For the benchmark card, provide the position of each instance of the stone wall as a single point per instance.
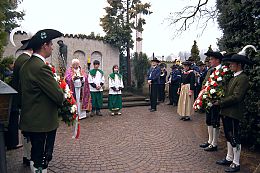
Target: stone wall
(77, 48)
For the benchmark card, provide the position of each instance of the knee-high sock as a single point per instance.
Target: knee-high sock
(210, 133)
(26, 148)
(215, 136)
(237, 151)
(230, 154)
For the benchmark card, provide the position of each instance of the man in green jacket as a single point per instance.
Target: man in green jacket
(232, 105)
(16, 104)
(41, 97)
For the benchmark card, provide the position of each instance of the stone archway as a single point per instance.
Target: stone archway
(96, 55)
(79, 54)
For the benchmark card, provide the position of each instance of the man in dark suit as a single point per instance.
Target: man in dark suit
(174, 83)
(41, 97)
(232, 108)
(153, 78)
(16, 104)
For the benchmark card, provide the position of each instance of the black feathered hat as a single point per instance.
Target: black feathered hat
(217, 55)
(43, 36)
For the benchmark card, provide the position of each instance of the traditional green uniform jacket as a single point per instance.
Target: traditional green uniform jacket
(16, 79)
(207, 75)
(232, 105)
(41, 96)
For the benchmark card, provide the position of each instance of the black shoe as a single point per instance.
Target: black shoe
(211, 148)
(182, 118)
(233, 168)
(99, 113)
(92, 113)
(152, 110)
(26, 162)
(186, 119)
(204, 145)
(223, 162)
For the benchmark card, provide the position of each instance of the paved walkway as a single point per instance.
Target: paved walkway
(137, 141)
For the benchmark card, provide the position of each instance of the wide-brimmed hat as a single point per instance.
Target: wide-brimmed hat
(186, 63)
(239, 58)
(217, 55)
(24, 44)
(43, 36)
(200, 63)
(155, 60)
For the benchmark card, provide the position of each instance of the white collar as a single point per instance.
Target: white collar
(218, 67)
(238, 73)
(39, 56)
(27, 53)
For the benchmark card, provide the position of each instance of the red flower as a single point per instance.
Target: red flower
(63, 84)
(223, 73)
(215, 84)
(208, 88)
(215, 77)
(53, 70)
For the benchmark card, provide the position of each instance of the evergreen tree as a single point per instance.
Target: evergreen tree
(239, 21)
(118, 24)
(195, 52)
(8, 18)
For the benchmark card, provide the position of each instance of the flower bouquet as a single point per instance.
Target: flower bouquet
(68, 112)
(213, 89)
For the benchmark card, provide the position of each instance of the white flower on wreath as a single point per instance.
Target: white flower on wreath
(219, 79)
(217, 72)
(67, 89)
(212, 91)
(212, 82)
(204, 96)
(212, 75)
(198, 101)
(73, 109)
(198, 107)
(66, 95)
(207, 83)
(225, 69)
(210, 104)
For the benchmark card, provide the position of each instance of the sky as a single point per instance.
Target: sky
(83, 17)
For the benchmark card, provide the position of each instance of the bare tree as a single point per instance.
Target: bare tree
(199, 14)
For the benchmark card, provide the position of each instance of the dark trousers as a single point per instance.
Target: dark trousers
(12, 136)
(212, 117)
(173, 95)
(42, 147)
(161, 92)
(197, 91)
(231, 130)
(153, 95)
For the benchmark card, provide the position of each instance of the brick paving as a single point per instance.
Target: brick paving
(136, 142)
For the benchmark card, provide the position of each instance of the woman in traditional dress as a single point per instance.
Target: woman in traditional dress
(186, 98)
(115, 94)
(78, 83)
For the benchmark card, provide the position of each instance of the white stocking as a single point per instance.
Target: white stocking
(229, 156)
(210, 132)
(236, 151)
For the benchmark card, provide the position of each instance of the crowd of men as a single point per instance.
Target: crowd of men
(187, 81)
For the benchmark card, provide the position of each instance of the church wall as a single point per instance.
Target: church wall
(77, 48)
